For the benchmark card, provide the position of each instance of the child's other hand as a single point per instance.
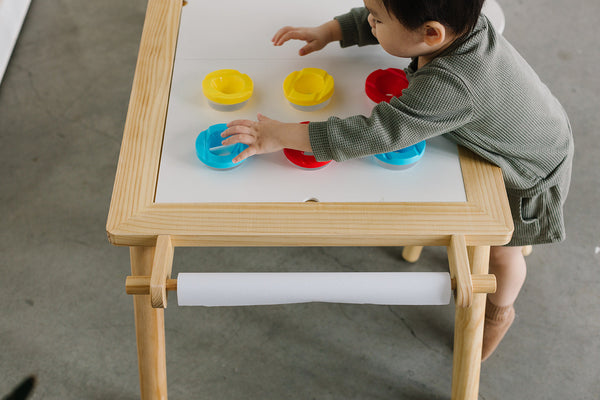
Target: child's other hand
(265, 136)
(315, 37)
(312, 36)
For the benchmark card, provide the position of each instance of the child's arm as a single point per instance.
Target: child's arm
(420, 113)
(266, 136)
(436, 102)
(349, 29)
(316, 37)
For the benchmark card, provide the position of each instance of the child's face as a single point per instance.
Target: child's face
(391, 34)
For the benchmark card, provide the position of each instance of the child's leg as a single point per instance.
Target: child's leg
(508, 264)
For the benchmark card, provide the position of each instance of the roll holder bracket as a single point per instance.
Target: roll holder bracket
(460, 271)
(159, 283)
(162, 265)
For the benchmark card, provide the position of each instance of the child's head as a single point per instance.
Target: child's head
(458, 15)
(414, 28)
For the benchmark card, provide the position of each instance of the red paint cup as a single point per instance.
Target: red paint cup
(302, 159)
(384, 84)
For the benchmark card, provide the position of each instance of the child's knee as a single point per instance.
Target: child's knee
(505, 256)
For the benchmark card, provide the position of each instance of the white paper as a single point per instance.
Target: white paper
(246, 289)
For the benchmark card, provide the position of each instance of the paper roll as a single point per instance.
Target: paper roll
(246, 289)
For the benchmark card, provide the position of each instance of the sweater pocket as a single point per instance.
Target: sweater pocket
(538, 219)
(531, 208)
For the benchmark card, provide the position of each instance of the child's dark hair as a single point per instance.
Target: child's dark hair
(458, 15)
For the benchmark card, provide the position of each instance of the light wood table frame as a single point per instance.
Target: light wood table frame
(135, 220)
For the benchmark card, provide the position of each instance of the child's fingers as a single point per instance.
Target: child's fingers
(243, 122)
(249, 152)
(236, 130)
(239, 138)
(293, 34)
(280, 33)
(309, 48)
(262, 117)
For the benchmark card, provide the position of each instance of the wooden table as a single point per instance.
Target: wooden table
(153, 229)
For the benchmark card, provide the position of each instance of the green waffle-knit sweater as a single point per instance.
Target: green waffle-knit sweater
(481, 94)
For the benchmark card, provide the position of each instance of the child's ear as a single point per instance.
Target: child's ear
(434, 33)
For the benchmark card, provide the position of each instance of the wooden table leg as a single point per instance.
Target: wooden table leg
(468, 334)
(411, 253)
(149, 331)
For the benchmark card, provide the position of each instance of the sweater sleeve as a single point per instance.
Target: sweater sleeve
(435, 102)
(355, 28)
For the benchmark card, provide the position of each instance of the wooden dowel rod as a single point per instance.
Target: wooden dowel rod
(411, 253)
(141, 284)
(484, 283)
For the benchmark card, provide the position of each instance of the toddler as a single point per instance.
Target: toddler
(466, 82)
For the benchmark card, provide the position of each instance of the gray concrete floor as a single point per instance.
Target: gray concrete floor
(65, 315)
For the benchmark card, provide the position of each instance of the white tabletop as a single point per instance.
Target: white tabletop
(237, 34)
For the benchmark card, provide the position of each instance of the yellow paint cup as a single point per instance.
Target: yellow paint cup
(308, 89)
(227, 89)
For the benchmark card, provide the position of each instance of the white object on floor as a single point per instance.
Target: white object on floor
(12, 15)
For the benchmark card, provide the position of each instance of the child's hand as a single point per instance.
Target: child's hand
(265, 136)
(316, 38)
